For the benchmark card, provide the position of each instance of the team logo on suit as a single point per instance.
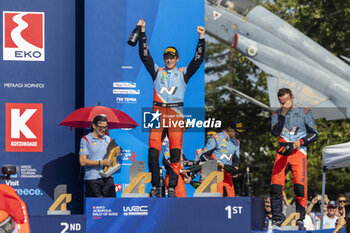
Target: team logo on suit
(23, 36)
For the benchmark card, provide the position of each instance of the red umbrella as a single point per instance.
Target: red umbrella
(82, 118)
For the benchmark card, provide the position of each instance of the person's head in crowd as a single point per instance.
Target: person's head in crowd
(316, 199)
(326, 199)
(268, 209)
(332, 209)
(99, 126)
(341, 200)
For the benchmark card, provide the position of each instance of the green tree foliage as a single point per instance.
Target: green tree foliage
(327, 23)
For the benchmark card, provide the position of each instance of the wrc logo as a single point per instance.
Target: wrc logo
(171, 91)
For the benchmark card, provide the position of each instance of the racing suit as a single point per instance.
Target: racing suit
(180, 190)
(226, 150)
(13, 211)
(169, 88)
(297, 124)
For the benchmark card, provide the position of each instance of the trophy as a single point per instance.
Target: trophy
(112, 153)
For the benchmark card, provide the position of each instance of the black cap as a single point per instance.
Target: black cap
(332, 204)
(236, 124)
(172, 51)
(211, 133)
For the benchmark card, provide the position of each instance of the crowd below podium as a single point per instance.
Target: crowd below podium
(336, 213)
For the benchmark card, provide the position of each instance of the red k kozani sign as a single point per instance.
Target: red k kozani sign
(24, 127)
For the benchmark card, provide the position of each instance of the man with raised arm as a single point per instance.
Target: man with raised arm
(169, 86)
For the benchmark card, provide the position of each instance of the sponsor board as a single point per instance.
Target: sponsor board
(29, 191)
(124, 84)
(24, 127)
(27, 171)
(24, 85)
(12, 183)
(118, 187)
(126, 91)
(129, 100)
(127, 156)
(127, 67)
(135, 210)
(23, 36)
(101, 211)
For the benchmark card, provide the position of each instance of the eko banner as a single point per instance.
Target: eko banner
(115, 76)
(37, 92)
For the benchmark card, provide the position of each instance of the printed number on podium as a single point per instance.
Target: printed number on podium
(232, 210)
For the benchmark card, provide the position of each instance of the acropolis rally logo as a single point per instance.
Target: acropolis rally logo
(23, 36)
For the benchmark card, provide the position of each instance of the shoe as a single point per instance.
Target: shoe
(300, 225)
(159, 192)
(171, 192)
(276, 225)
(153, 191)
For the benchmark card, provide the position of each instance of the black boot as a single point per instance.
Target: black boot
(300, 225)
(171, 192)
(153, 191)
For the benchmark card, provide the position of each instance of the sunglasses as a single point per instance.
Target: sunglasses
(102, 127)
(341, 201)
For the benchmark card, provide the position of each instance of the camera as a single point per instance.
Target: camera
(8, 170)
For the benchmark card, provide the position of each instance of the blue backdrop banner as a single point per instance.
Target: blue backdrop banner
(37, 92)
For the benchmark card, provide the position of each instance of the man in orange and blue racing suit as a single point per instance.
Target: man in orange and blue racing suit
(224, 147)
(185, 176)
(169, 86)
(296, 129)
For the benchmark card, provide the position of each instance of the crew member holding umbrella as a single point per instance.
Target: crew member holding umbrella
(93, 152)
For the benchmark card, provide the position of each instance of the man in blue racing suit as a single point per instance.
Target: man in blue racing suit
(224, 147)
(296, 129)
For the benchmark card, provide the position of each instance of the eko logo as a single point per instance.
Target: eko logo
(23, 36)
(24, 127)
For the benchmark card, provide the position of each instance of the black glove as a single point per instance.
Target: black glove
(193, 171)
(231, 169)
(205, 158)
(285, 148)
